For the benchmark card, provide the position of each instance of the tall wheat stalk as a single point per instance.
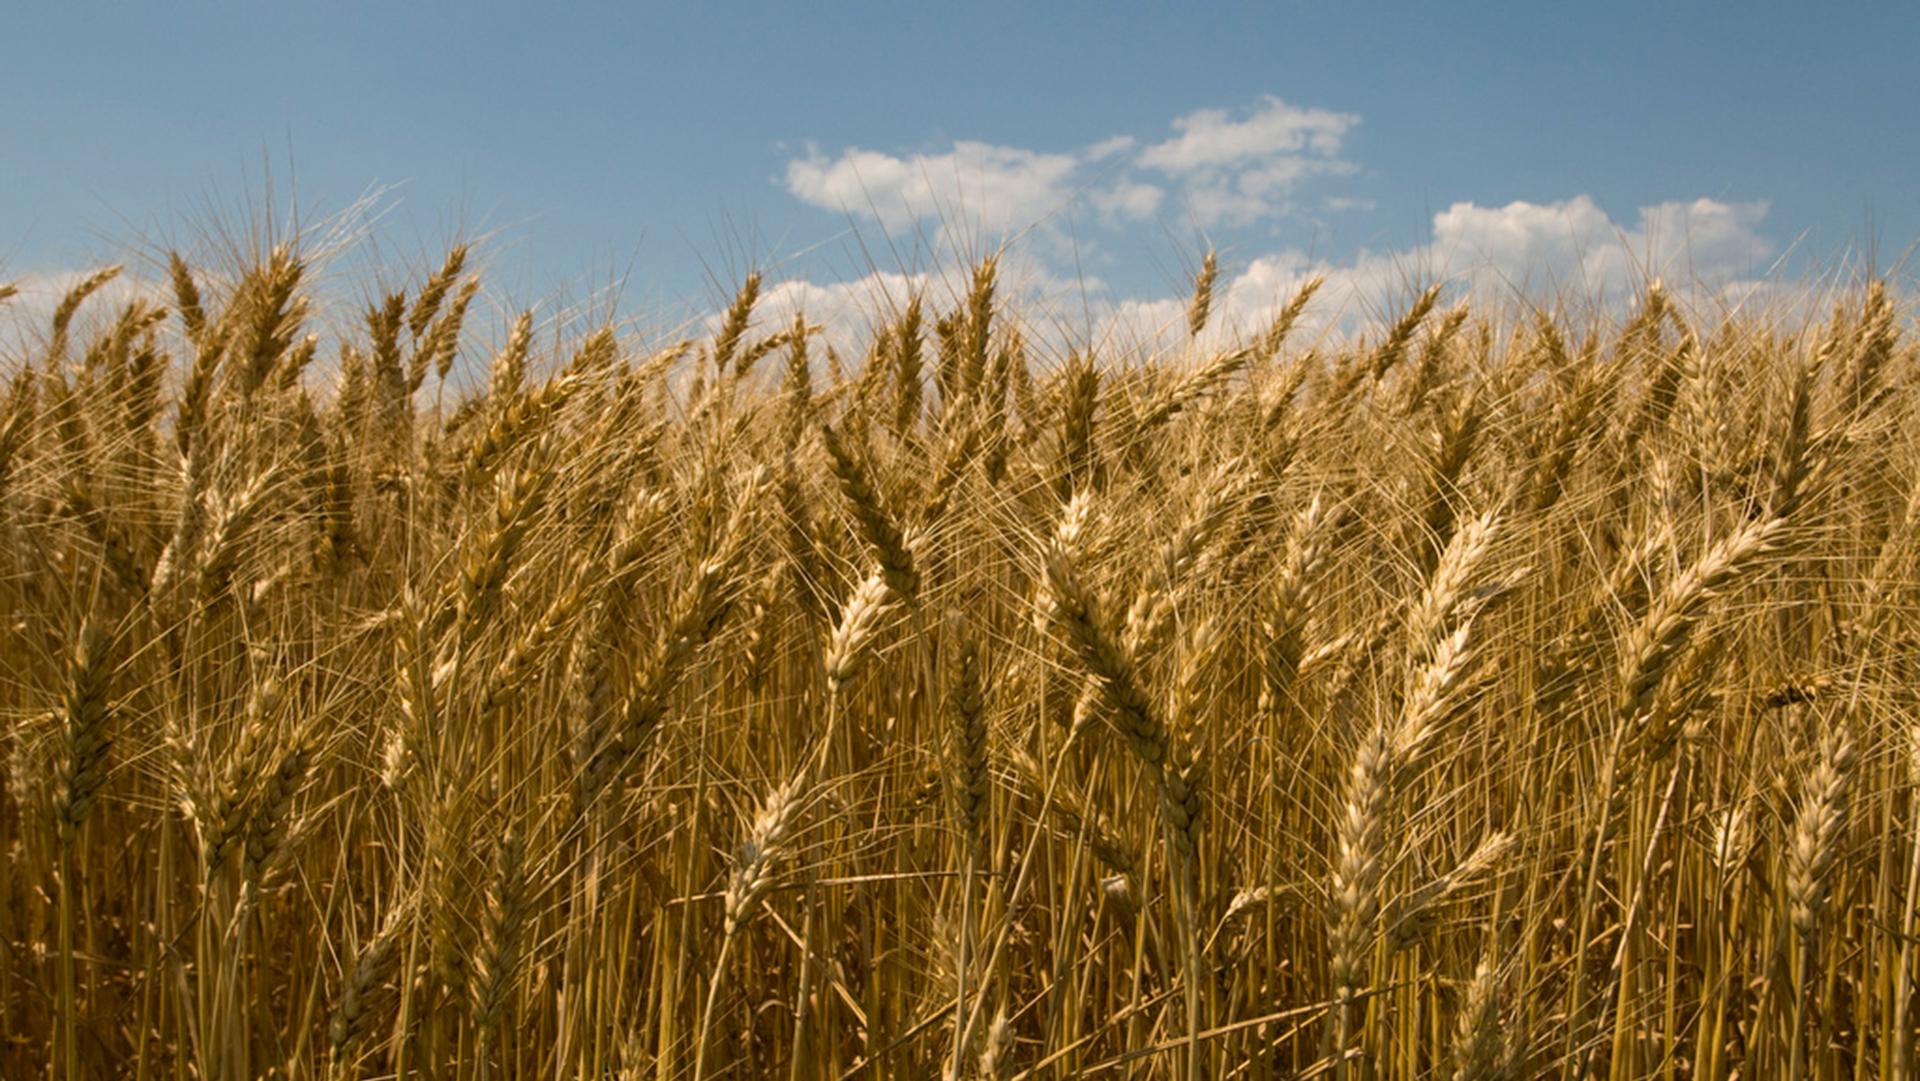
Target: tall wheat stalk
(401, 683)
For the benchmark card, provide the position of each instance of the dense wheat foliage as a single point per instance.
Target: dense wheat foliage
(1485, 697)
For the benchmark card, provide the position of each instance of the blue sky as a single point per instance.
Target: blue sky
(670, 146)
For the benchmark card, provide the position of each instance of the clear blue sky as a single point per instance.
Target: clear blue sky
(660, 141)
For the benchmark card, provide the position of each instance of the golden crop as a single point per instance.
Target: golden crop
(1487, 698)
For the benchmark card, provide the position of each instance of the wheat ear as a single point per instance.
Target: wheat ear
(1812, 850)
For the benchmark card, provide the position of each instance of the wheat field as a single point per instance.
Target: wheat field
(1483, 696)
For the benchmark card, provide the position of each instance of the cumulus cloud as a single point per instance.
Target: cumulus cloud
(1245, 169)
(1573, 245)
(1224, 169)
(995, 187)
(1128, 201)
(1240, 170)
(1211, 139)
(1521, 252)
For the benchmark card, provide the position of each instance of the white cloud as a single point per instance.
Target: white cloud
(1209, 139)
(1265, 191)
(847, 312)
(998, 188)
(1522, 252)
(1240, 171)
(1573, 245)
(1708, 251)
(1720, 237)
(1224, 170)
(1128, 201)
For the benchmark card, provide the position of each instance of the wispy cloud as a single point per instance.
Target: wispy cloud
(1212, 139)
(999, 188)
(1239, 170)
(1216, 167)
